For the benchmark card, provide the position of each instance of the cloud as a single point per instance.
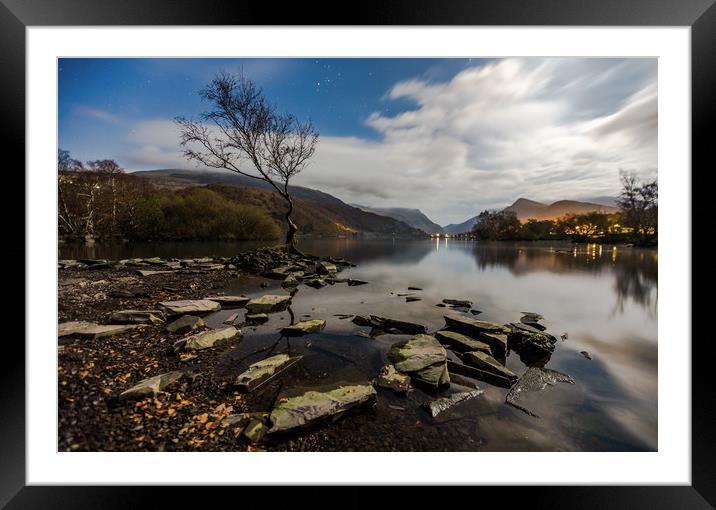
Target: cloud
(546, 129)
(95, 113)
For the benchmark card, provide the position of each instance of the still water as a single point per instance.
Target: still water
(603, 297)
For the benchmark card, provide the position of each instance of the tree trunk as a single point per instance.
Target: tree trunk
(292, 228)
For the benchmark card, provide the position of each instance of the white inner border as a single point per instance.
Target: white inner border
(670, 465)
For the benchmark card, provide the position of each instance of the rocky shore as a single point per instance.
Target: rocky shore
(138, 367)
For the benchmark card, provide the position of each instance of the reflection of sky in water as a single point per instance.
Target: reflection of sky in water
(605, 299)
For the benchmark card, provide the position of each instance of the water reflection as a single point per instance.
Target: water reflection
(605, 297)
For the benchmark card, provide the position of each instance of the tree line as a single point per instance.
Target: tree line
(636, 222)
(99, 200)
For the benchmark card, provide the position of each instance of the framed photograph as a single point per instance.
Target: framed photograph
(350, 254)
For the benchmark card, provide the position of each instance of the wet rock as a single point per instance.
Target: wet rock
(586, 354)
(326, 268)
(268, 303)
(304, 328)
(360, 320)
(475, 312)
(390, 378)
(533, 323)
(532, 316)
(461, 342)
(229, 301)
(185, 324)
(316, 283)
(533, 380)
(190, 306)
(255, 431)
(137, 317)
(408, 328)
(486, 362)
(152, 386)
(277, 273)
(423, 358)
(352, 282)
(104, 265)
(92, 330)
(231, 319)
(443, 404)
(441, 305)
(262, 371)
(459, 380)
(460, 368)
(492, 334)
(315, 406)
(256, 317)
(464, 303)
(529, 341)
(289, 282)
(343, 316)
(205, 340)
(414, 288)
(411, 299)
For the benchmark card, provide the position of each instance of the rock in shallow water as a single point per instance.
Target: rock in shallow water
(464, 303)
(460, 342)
(492, 334)
(314, 406)
(534, 379)
(408, 328)
(443, 404)
(304, 328)
(486, 362)
(268, 303)
(423, 358)
(229, 301)
(525, 339)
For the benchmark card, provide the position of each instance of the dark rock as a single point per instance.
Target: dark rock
(362, 321)
(463, 303)
(256, 317)
(527, 340)
(137, 317)
(485, 362)
(492, 334)
(461, 342)
(408, 328)
(414, 288)
(411, 299)
(481, 375)
(586, 354)
(316, 283)
(352, 282)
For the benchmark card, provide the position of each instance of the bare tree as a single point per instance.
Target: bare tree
(638, 203)
(243, 133)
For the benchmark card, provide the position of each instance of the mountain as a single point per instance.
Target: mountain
(459, 228)
(526, 209)
(316, 213)
(413, 217)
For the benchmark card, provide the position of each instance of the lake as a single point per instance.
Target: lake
(603, 297)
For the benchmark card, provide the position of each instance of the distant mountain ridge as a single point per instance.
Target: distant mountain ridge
(413, 217)
(317, 213)
(529, 209)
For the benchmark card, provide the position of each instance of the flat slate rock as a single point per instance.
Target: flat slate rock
(495, 335)
(525, 339)
(152, 386)
(443, 404)
(137, 317)
(144, 272)
(486, 362)
(205, 340)
(423, 358)
(463, 303)
(260, 372)
(304, 327)
(461, 342)
(352, 282)
(268, 303)
(533, 380)
(91, 330)
(460, 368)
(229, 301)
(314, 406)
(408, 328)
(185, 324)
(190, 306)
(256, 317)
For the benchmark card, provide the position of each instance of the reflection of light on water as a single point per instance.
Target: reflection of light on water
(614, 254)
(437, 244)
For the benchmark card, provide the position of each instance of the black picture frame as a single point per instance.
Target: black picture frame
(16, 15)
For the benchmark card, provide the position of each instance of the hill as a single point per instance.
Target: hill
(413, 217)
(459, 228)
(526, 209)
